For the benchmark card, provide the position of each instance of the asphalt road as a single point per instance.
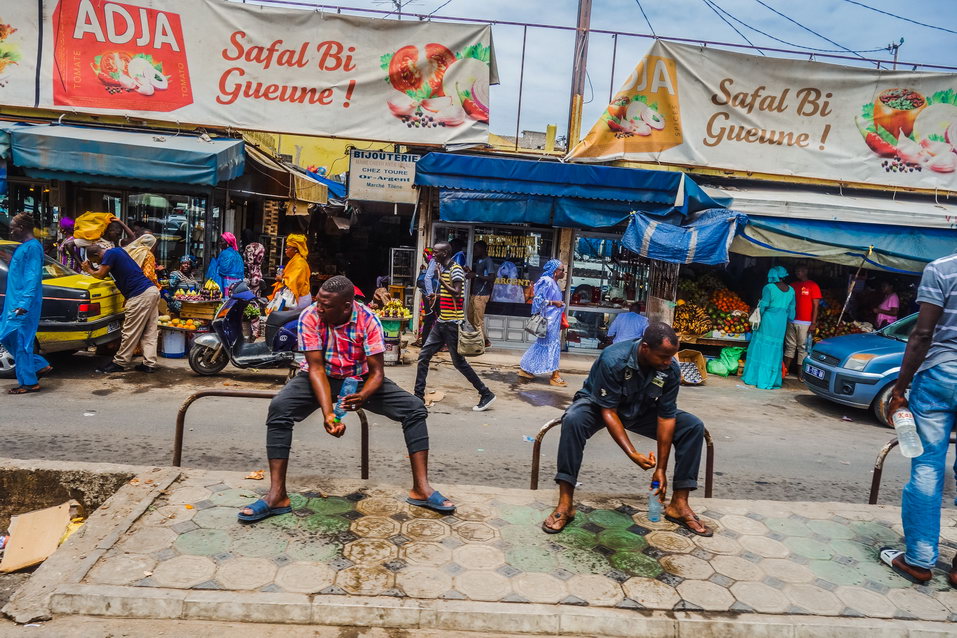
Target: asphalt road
(783, 444)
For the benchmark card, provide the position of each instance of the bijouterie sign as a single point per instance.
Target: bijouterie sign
(698, 106)
(221, 63)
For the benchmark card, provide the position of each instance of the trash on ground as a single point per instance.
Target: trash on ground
(36, 535)
(256, 475)
(528, 439)
(846, 418)
(90, 413)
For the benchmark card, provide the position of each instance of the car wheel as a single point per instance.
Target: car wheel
(8, 367)
(879, 407)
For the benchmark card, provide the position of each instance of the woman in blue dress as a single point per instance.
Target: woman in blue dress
(543, 355)
(22, 302)
(227, 269)
(765, 358)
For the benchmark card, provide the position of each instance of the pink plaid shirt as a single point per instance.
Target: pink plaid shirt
(346, 347)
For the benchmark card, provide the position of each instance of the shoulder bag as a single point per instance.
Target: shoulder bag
(471, 342)
(537, 325)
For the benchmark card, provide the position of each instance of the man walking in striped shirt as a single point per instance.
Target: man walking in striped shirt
(451, 312)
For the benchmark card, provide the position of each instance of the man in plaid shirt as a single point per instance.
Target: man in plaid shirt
(341, 338)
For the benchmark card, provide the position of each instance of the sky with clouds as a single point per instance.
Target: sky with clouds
(548, 52)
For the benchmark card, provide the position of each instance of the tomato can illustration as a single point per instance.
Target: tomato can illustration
(111, 55)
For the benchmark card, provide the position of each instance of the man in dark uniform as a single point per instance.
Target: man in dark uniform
(634, 386)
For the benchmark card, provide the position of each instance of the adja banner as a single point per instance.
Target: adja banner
(226, 64)
(696, 106)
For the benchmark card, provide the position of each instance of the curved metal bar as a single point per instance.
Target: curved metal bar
(879, 468)
(256, 394)
(537, 454)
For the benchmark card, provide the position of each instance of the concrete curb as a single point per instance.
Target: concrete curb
(515, 618)
(105, 526)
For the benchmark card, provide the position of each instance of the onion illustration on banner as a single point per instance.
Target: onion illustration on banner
(911, 131)
(439, 88)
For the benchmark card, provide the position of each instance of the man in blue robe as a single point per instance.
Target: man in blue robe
(21, 305)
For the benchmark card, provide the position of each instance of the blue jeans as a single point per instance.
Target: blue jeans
(933, 400)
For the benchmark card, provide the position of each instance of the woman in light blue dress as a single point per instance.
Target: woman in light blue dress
(543, 356)
(765, 357)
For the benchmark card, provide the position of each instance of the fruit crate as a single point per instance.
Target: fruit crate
(199, 309)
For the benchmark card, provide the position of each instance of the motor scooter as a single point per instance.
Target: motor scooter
(211, 352)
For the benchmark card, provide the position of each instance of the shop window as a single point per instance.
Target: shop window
(33, 198)
(606, 278)
(178, 221)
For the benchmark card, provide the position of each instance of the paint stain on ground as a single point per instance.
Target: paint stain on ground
(103, 393)
(543, 398)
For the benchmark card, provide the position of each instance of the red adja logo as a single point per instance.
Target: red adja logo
(119, 56)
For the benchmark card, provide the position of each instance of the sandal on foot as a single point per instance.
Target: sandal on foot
(707, 533)
(525, 375)
(559, 382)
(558, 517)
(434, 503)
(24, 389)
(888, 555)
(261, 510)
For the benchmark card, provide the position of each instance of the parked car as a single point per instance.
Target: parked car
(78, 311)
(859, 370)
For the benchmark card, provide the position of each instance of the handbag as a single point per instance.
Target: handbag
(471, 342)
(283, 299)
(537, 325)
(755, 318)
(565, 324)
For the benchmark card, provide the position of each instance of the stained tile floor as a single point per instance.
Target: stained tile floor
(355, 538)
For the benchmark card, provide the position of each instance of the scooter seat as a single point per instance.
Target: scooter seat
(282, 317)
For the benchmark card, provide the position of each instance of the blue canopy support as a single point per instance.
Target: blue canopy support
(493, 189)
(151, 157)
(705, 240)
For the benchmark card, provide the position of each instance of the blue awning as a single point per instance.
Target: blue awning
(154, 157)
(900, 249)
(337, 189)
(493, 189)
(705, 240)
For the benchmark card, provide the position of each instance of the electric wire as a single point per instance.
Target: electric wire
(790, 44)
(441, 6)
(646, 18)
(808, 29)
(712, 7)
(894, 15)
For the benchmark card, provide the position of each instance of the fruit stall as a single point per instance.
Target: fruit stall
(394, 317)
(710, 314)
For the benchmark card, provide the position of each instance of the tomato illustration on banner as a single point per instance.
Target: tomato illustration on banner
(119, 56)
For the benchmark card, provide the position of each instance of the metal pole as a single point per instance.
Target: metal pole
(614, 57)
(579, 68)
(521, 84)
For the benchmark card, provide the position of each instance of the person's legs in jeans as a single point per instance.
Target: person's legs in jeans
(294, 403)
(396, 404)
(450, 333)
(432, 345)
(581, 421)
(933, 400)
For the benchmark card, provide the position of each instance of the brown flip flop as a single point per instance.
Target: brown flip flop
(708, 533)
(22, 389)
(559, 517)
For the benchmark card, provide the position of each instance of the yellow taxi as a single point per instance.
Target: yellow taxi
(78, 311)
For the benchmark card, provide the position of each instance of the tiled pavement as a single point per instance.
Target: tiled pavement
(357, 539)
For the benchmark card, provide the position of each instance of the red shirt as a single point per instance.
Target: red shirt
(805, 292)
(346, 347)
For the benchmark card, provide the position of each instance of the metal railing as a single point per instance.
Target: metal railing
(537, 454)
(255, 394)
(879, 468)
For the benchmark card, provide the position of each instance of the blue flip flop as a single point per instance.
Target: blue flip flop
(433, 503)
(261, 510)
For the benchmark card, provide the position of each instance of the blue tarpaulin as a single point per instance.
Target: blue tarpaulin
(337, 189)
(152, 157)
(705, 240)
(492, 189)
(892, 248)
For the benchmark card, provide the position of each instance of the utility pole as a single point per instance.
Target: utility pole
(894, 48)
(579, 67)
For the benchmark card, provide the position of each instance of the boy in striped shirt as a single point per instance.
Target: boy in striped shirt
(451, 312)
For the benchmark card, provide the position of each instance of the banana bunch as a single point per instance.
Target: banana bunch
(394, 310)
(691, 319)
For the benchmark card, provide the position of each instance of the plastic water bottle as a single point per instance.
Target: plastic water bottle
(654, 503)
(907, 438)
(349, 386)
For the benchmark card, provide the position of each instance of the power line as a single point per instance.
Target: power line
(808, 29)
(712, 7)
(894, 15)
(776, 39)
(646, 18)
(441, 6)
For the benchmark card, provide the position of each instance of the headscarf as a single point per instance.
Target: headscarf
(299, 243)
(382, 282)
(551, 266)
(140, 248)
(230, 240)
(66, 223)
(777, 274)
(253, 256)
(188, 259)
